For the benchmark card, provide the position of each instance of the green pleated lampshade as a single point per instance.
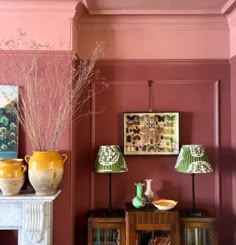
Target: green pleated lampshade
(193, 159)
(110, 160)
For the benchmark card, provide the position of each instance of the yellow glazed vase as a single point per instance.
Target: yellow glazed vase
(12, 176)
(45, 171)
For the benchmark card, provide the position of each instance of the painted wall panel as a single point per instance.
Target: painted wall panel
(195, 102)
(233, 139)
(131, 43)
(47, 22)
(190, 87)
(233, 40)
(61, 233)
(232, 26)
(47, 29)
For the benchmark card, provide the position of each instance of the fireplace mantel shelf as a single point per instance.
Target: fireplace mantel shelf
(30, 196)
(31, 215)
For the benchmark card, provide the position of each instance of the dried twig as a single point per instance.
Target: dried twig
(55, 86)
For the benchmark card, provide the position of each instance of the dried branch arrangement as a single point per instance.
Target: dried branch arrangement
(54, 87)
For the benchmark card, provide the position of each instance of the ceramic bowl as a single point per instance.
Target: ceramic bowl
(164, 204)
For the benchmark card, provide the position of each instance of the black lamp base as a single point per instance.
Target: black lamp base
(195, 212)
(108, 212)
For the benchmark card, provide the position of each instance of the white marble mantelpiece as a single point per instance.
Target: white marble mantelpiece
(31, 215)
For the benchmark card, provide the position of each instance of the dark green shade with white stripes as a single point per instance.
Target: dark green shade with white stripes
(193, 159)
(110, 160)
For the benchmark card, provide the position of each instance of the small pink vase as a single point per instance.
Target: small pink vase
(149, 194)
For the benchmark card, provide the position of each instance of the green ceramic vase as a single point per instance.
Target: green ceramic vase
(139, 201)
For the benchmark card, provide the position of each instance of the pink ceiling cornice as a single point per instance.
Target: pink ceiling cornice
(150, 7)
(229, 6)
(35, 7)
(151, 22)
(155, 12)
(232, 18)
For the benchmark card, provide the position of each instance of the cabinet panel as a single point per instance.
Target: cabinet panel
(106, 229)
(200, 230)
(151, 226)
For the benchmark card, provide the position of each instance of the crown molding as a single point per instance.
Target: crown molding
(154, 62)
(229, 6)
(232, 23)
(232, 18)
(38, 7)
(232, 59)
(130, 22)
(154, 12)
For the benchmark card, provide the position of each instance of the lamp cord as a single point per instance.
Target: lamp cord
(110, 192)
(150, 94)
(193, 191)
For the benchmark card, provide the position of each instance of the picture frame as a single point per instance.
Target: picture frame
(9, 121)
(151, 133)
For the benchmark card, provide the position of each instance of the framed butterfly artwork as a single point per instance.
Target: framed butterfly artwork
(151, 133)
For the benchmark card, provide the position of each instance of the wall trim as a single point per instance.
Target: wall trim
(154, 62)
(216, 109)
(152, 22)
(232, 19)
(217, 170)
(232, 59)
(229, 5)
(37, 7)
(154, 12)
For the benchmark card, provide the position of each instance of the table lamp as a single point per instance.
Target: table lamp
(110, 160)
(193, 160)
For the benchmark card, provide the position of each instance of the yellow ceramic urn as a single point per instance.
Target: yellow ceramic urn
(12, 176)
(45, 171)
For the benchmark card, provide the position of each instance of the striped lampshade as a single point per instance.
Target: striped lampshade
(193, 159)
(110, 160)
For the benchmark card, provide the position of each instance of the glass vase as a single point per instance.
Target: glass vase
(139, 200)
(149, 194)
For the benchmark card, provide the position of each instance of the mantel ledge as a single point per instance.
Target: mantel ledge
(29, 196)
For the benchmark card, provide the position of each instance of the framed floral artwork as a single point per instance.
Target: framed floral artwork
(151, 133)
(8, 121)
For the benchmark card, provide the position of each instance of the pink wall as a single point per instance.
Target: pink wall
(191, 87)
(50, 22)
(61, 234)
(195, 81)
(232, 26)
(158, 37)
(233, 134)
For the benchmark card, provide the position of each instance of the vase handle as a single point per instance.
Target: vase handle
(23, 168)
(27, 158)
(64, 157)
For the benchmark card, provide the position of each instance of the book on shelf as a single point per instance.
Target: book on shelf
(98, 236)
(198, 236)
(112, 236)
(153, 238)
